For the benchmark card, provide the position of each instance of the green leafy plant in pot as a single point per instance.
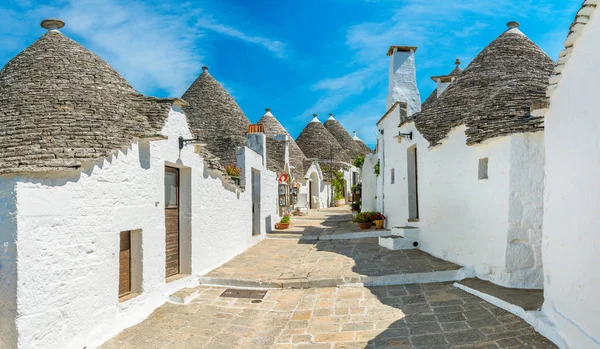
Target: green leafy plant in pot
(284, 223)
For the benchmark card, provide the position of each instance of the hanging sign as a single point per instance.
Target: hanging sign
(284, 178)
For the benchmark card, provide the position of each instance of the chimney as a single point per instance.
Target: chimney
(403, 78)
(444, 81)
(257, 141)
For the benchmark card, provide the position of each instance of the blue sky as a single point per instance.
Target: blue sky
(297, 57)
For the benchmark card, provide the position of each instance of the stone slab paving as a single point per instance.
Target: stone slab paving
(425, 316)
(318, 222)
(526, 299)
(293, 262)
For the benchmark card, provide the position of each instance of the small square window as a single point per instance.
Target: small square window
(483, 168)
(393, 176)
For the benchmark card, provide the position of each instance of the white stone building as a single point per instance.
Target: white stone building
(467, 169)
(102, 213)
(571, 241)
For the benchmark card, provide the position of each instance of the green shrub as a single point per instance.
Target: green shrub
(285, 219)
(376, 169)
(359, 161)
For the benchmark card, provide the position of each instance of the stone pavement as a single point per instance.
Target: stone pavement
(415, 316)
(424, 316)
(294, 263)
(319, 222)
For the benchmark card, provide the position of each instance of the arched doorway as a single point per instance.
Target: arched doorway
(314, 190)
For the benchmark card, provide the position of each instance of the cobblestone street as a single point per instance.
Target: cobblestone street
(434, 315)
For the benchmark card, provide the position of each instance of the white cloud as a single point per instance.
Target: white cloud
(274, 46)
(431, 25)
(156, 46)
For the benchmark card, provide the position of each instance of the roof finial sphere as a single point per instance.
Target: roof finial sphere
(205, 68)
(315, 115)
(512, 25)
(457, 62)
(267, 109)
(52, 24)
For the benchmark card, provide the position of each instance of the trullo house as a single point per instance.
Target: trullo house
(325, 156)
(105, 210)
(571, 242)
(467, 167)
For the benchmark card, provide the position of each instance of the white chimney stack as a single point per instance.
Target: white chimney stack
(444, 81)
(403, 78)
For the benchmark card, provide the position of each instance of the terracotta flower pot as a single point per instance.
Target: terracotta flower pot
(340, 202)
(379, 223)
(282, 225)
(364, 226)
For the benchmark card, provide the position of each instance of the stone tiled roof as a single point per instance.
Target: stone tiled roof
(343, 137)
(493, 95)
(365, 149)
(432, 98)
(316, 142)
(583, 16)
(276, 149)
(62, 106)
(215, 117)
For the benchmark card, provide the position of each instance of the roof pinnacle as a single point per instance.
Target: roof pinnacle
(52, 24)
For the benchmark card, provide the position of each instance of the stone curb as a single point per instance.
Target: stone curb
(536, 319)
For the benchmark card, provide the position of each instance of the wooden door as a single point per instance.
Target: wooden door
(172, 221)
(125, 264)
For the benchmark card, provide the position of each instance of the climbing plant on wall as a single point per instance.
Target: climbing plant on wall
(376, 169)
(339, 184)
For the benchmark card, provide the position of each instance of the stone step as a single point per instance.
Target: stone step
(184, 296)
(369, 233)
(306, 283)
(395, 242)
(411, 233)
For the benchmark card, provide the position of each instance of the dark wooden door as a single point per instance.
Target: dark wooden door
(125, 264)
(172, 220)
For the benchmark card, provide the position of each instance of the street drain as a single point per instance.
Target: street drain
(252, 294)
(256, 301)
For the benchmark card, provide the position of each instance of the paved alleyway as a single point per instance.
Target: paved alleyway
(314, 315)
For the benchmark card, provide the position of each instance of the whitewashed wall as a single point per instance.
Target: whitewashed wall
(369, 184)
(8, 263)
(571, 247)
(69, 238)
(463, 219)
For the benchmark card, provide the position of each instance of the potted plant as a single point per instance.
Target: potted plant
(364, 220)
(284, 223)
(379, 220)
(234, 172)
(340, 200)
(355, 206)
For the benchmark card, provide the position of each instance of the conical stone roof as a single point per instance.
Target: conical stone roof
(62, 106)
(215, 117)
(493, 95)
(365, 149)
(276, 149)
(317, 143)
(343, 137)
